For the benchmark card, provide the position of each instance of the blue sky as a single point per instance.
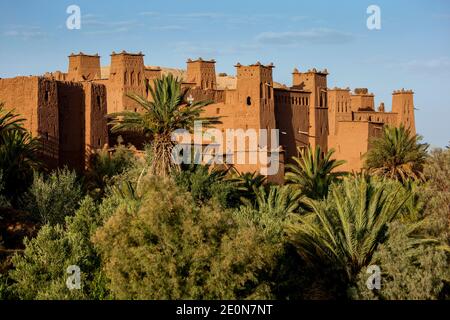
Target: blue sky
(412, 49)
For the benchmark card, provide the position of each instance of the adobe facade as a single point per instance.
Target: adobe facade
(68, 110)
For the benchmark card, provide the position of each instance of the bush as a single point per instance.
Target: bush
(410, 271)
(104, 166)
(52, 199)
(205, 184)
(40, 272)
(169, 248)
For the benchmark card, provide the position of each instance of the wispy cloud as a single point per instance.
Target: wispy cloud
(98, 24)
(313, 36)
(149, 13)
(439, 64)
(23, 32)
(167, 28)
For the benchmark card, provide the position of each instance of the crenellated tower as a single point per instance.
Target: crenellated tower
(316, 82)
(127, 75)
(84, 67)
(403, 105)
(202, 73)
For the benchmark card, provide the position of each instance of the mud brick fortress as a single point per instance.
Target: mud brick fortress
(68, 110)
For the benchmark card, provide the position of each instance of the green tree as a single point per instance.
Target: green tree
(166, 112)
(397, 155)
(411, 268)
(105, 166)
(54, 198)
(40, 272)
(170, 248)
(9, 121)
(345, 229)
(313, 172)
(247, 184)
(18, 159)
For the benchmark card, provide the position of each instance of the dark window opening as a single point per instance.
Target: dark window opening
(99, 142)
(249, 101)
(99, 102)
(46, 95)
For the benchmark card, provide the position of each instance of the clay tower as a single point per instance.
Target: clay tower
(315, 82)
(84, 67)
(403, 105)
(202, 73)
(127, 75)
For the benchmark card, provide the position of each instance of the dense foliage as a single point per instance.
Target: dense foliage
(139, 230)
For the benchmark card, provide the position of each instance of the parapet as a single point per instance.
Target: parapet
(339, 89)
(313, 70)
(257, 64)
(82, 54)
(140, 54)
(403, 91)
(200, 59)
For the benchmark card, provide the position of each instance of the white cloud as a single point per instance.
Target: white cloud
(313, 36)
(427, 65)
(167, 28)
(23, 32)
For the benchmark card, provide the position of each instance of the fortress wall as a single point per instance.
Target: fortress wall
(96, 132)
(352, 143)
(21, 95)
(48, 121)
(292, 117)
(388, 118)
(72, 106)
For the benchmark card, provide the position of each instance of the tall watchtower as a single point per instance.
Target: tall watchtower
(403, 105)
(255, 96)
(316, 82)
(84, 67)
(202, 73)
(127, 75)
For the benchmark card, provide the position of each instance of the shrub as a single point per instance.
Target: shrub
(345, 229)
(169, 248)
(410, 270)
(104, 166)
(40, 272)
(52, 199)
(205, 184)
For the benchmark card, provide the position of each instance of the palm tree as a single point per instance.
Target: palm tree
(9, 120)
(163, 115)
(278, 200)
(247, 183)
(312, 173)
(18, 159)
(397, 155)
(345, 229)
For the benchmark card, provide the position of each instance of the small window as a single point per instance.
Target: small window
(218, 110)
(46, 95)
(249, 101)
(99, 142)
